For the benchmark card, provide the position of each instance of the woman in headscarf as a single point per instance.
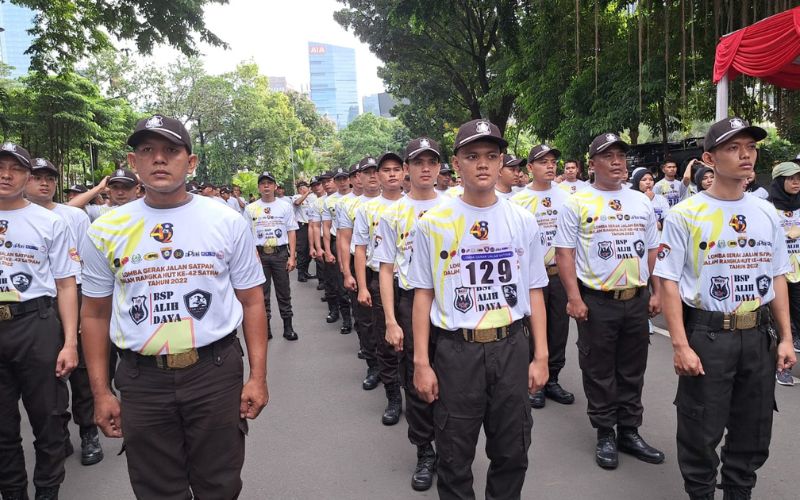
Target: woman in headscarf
(784, 193)
(642, 180)
(703, 178)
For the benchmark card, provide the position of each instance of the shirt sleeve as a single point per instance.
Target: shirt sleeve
(61, 263)
(361, 227)
(244, 265)
(651, 231)
(672, 250)
(420, 270)
(567, 230)
(537, 275)
(386, 251)
(289, 220)
(97, 279)
(326, 212)
(93, 211)
(780, 261)
(81, 228)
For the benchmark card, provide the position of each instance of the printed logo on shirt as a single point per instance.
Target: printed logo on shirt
(720, 290)
(73, 254)
(463, 301)
(786, 213)
(738, 223)
(162, 232)
(197, 303)
(480, 230)
(3, 226)
(21, 281)
(763, 283)
(663, 251)
(378, 240)
(604, 250)
(638, 245)
(166, 252)
(510, 293)
(615, 205)
(278, 233)
(150, 256)
(178, 254)
(138, 310)
(547, 202)
(742, 241)
(267, 210)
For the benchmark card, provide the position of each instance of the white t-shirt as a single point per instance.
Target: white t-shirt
(501, 194)
(760, 192)
(95, 211)
(364, 228)
(674, 191)
(234, 203)
(611, 232)
(455, 191)
(572, 187)
(172, 273)
(544, 205)
(314, 213)
(790, 223)
(660, 207)
(36, 248)
(270, 222)
(301, 210)
(397, 229)
(329, 209)
(78, 224)
(342, 205)
(723, 254)
(480, 262)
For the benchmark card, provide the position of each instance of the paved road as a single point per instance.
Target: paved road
(321, 435)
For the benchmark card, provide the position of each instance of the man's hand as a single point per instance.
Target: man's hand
(655, 305)
(786, 355)
(394, 336)
(687, 362)
(364, 298)
(350, 283)
(538, 374)
(66, 362)
(103, 183)
(108, 415)
(255, 396)
(330, 258)
(650, 194)
(577, 308)
(291, 264)
(426, 383)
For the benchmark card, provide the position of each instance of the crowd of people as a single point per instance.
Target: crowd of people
(460, 291)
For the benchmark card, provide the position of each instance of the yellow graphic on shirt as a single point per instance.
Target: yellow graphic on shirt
(454, 191)
(373, 209)
(402, 218)
(9, 296)
(790, 222)
(529, 200)
(171, 338)
(319, 204)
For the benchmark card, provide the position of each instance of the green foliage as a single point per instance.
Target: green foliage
(248, 182)
(370, 135)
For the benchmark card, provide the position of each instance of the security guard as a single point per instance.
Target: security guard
(390, 175)
(723, 262)
(37, 350)
(300, 203)
(544, 200)
(172, 298)
(605, 251)
(314, 215)
(508, 176)
(395, 237)
(274, 231)
(478, 269)
(122, 188)
(344, 236)
(335, 294)
(40, 189)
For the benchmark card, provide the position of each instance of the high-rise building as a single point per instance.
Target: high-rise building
(379, 104)
(333, 82)
(370, 104)
(15, 39)
(278, 83)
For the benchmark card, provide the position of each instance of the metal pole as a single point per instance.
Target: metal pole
(91, 164)
(722, 98)
(291, 156)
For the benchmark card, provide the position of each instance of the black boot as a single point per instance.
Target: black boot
(91, 451)
(371, 381)
(302, 276)
(422, 479)
(288, 331)
(554, 391)
(632, 443)
(333, 314)
(320, 285)
(14, 495)
(730, 493)
(394, 407)
(48, 493)
(537, 399)
(605, 452)
(347, 322)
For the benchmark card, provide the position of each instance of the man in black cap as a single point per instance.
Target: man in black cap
(443, 180)
(274, 231)
(38, 347)
(606, 247)
(478, 271)
(172, 297)
(300, 203)
(41, 189)
(723, 302)
(335, 294)
(74, 190)
(122, 186)
(508, 176)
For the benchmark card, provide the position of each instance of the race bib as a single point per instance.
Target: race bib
(489, 265)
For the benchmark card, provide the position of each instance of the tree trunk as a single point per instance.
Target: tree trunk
(683, 53)
(596, 43)
(717, 8)
(640, 21)
(577, 37)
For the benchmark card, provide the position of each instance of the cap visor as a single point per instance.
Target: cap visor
(137, 137)
(497, 140)
(418, 152)
(24, 161)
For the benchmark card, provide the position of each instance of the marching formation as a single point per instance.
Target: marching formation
(460, 292)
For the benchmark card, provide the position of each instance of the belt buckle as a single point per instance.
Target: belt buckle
(746, 321)
(485, 335)
(182, 360)
(268, 250)
(5, 312)
(552, 270)
(626, 294)
(728, 321)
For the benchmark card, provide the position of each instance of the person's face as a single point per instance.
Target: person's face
(224, 195)
(390, 175)
(317, 189)
(792, 184)
(280, 192)
(670, 170)
(646, 183)
(610, 166)
(342, 183)
(570, 171)
(237, 191)
(507, 176)
(207, 191)
(708, 180)
(355, 181)
(458, 182)
(71, 195)
(328, 185)
(521, 179)
(13, 177)
(443, 181)
(369, 178)
(302, 190)
(421, 170)
(41, 187)
(478, 164)
(734, 159)
(267, 187)
(121, 193)
(544, 168)
(162, 166)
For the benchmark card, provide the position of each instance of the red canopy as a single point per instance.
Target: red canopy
(768, 49)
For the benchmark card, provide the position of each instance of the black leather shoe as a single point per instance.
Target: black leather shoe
(288, 331)
(321, 286)
(360, 354)
(50, 493)
(68, 450)
(605, 452)
(301, 278)
(422, 479)
(537, 399)
(554, 391)
(631, 442)
(394, 407)
(91, 451)
(333, 316)
(371, 381)
(14, 495)
(347, 325)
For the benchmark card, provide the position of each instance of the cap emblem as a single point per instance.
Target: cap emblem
(10, 147)
(482, 127)
(40, 162)
(736, 123)
(611, 138)
(155, 121)
(424, 143)
(545, 147)
(371, 161)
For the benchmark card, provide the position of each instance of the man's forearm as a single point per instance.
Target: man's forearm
(361, 266)
(83, 199)
(672, 309)
(538, 325)
(565, 259)
(68, 310)
(254, 327)
(421, 325)
(386, 281)
(95, 321)
(292, 242)
(326, 236)
(343, 239)
(780, 307)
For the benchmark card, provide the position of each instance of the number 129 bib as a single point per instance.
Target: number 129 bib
(489, 265)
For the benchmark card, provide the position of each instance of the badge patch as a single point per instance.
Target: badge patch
(21, 281)
(162, 232)
(463, 302)
(3, 226)
(480, 230)
(638, 245)
(510, 293)
(138, 310)
(604, 250)
(763, 283)
(547, 202)
(738, 223)
(720, 290)
(278, 233)
(663, 251)
(166, 253)
(615, 204)
(197, 303)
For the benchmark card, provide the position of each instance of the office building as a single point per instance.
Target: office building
(278, 83)
(379, 104)
(15, 39)
(333, 82)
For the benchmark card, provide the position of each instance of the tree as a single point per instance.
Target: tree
(370, 135)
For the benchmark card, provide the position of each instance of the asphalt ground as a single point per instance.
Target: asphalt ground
(321, 436)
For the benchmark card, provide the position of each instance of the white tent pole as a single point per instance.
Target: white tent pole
(722, 98)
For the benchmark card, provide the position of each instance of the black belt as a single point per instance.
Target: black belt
(10, 310)
(302, 223)
(717, 321)
(267, 250)
(182, 360)
(622, 295)
(485, 335)
(400, 291)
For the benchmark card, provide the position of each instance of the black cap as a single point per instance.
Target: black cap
(353, 169)
(205, 184)
(325, 175)
(419, 145)
(314, 180)
(605, 141)
(76, 188)
(367, 162)
(225, 189)
(389, 156)
(513, 161)
(341, 172)
(541, 150)
(123, 175)
(444, 169)
(728, 128)
(301, 184)
(43, 165)
(479, 130)
(168, 128)
(18, 152)
(267, 176)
